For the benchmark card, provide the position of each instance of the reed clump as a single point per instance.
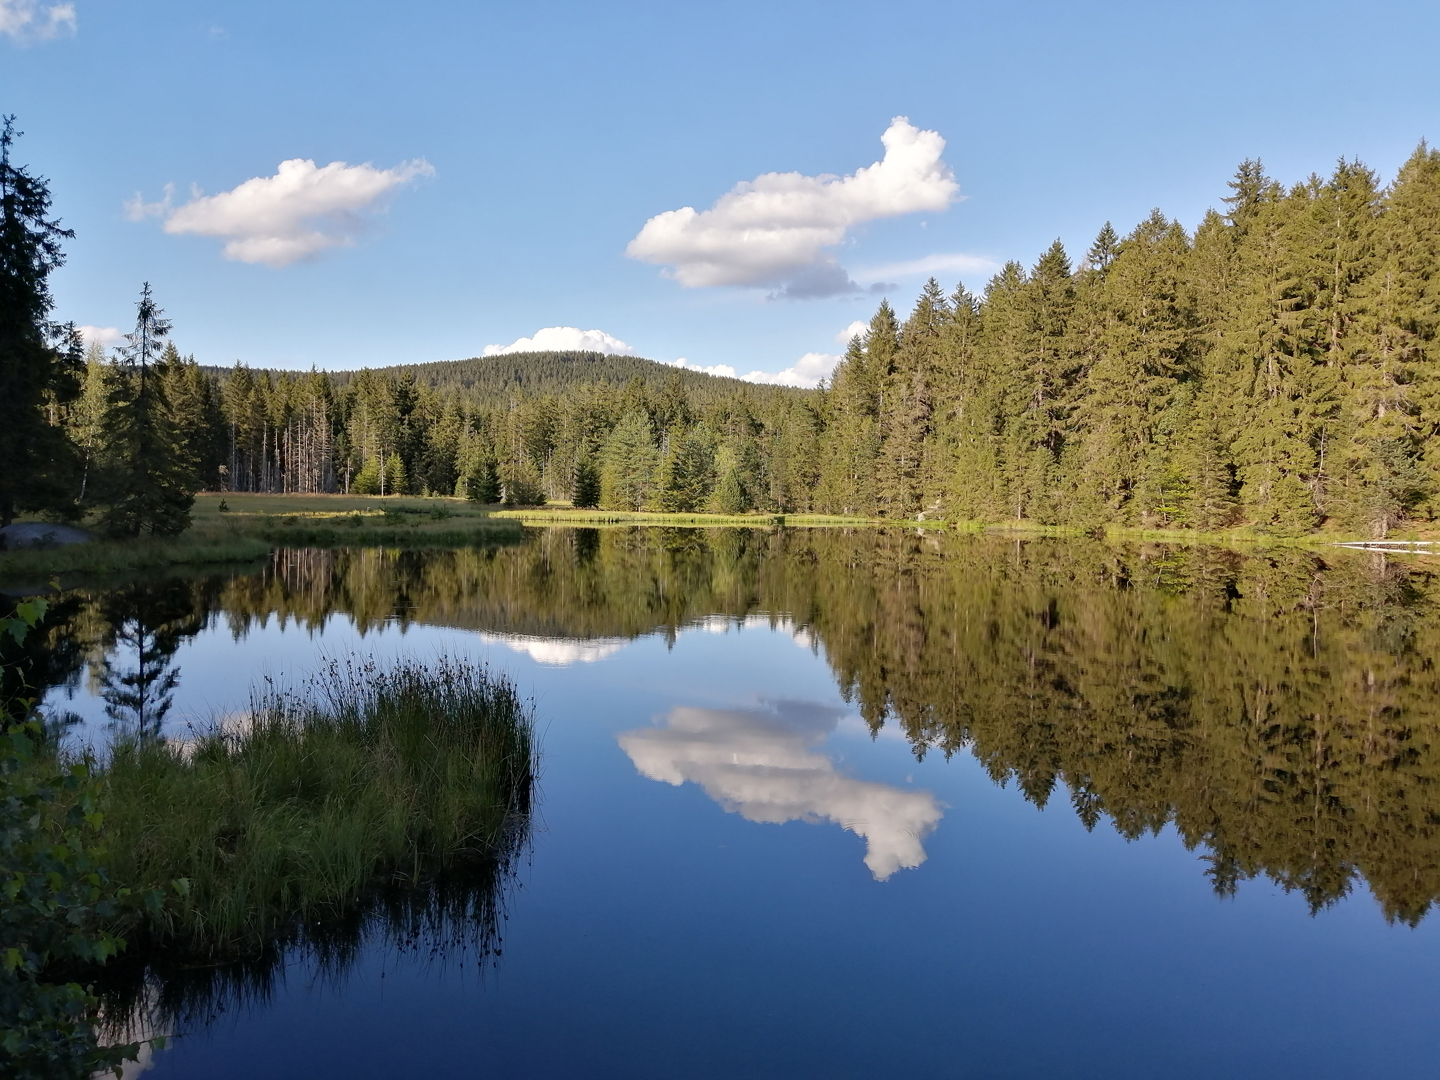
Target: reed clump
(304, 808)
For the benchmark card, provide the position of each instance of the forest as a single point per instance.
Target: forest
(1275, 368)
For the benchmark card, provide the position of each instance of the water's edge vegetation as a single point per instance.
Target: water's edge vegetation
(246, 528)
(394, 798)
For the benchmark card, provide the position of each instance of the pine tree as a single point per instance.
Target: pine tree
(1035, 367)
(907, 392)
(367, 480)
(851, 442)
(86, 417)
(195, 415)
(1124, 419)
(1391, 375)
(1104, 250)
(393, 478)
(586, 491)
(483, 484)
(40, 363)
(687, 471)
(148, 486)
(631, 461)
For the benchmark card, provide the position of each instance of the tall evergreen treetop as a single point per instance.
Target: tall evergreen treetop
(40, 363)
(1103, 251)
(150, 486)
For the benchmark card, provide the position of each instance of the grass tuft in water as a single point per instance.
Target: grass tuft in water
(301, 810)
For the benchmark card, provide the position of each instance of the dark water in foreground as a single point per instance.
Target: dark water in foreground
(830, 805)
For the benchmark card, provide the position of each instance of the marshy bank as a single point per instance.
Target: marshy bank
(238, 527)
(374, 801)
(292, 812)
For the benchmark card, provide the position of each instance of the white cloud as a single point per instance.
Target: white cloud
(137, 209)
(806, 373)
(724, 371)
(954, 262)
(105, 336)
(774, 231)
(26, 21)
(858, 328)
(299, 212)
(564, 339)
(764, 766)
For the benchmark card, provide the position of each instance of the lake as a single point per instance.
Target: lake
(829, 803)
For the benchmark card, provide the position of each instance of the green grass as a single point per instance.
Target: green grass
(300, 810)
(565, 515)
(114, 556)
(251, 525)
(1240, 535)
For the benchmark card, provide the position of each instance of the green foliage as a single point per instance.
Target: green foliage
(483, 484)
(57, 897)
(522, 488)
(1275, 369)
(586, 492)
(149, 472)
(367, 480)
(392, 477)
(631, 462)
(687, 471)
(370, 776)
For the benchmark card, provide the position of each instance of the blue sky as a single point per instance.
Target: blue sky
(516, 151)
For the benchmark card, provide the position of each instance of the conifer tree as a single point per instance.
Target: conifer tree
(851, 442)
(149, 487)
(687, 471)
(40, 363)
(393, 479)
(483, 484)
(907, 391)
(631, 461)
(1124, 419)
(586, 491)
(86, 416)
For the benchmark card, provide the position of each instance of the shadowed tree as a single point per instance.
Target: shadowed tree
(40, 363)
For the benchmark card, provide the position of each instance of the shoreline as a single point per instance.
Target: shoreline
(252, 525)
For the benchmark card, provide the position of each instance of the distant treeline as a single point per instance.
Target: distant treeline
(522, 426)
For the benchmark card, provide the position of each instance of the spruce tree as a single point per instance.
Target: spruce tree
(149, 487)
(1394, 388)
(40, 363)
(631, 462)
(1124, 419)
(687, 472)
(907, 390)
(586, 490)
(483, 484)
(851, 442)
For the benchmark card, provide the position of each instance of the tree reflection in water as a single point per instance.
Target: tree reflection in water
(1280, 708)
(456, 920)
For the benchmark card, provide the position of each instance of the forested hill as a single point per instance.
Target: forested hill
(492, 378)
(552, 372)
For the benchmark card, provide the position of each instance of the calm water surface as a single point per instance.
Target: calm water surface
(829, 805)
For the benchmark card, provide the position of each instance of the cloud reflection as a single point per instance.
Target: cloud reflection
(763, 765)
(558, 652)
